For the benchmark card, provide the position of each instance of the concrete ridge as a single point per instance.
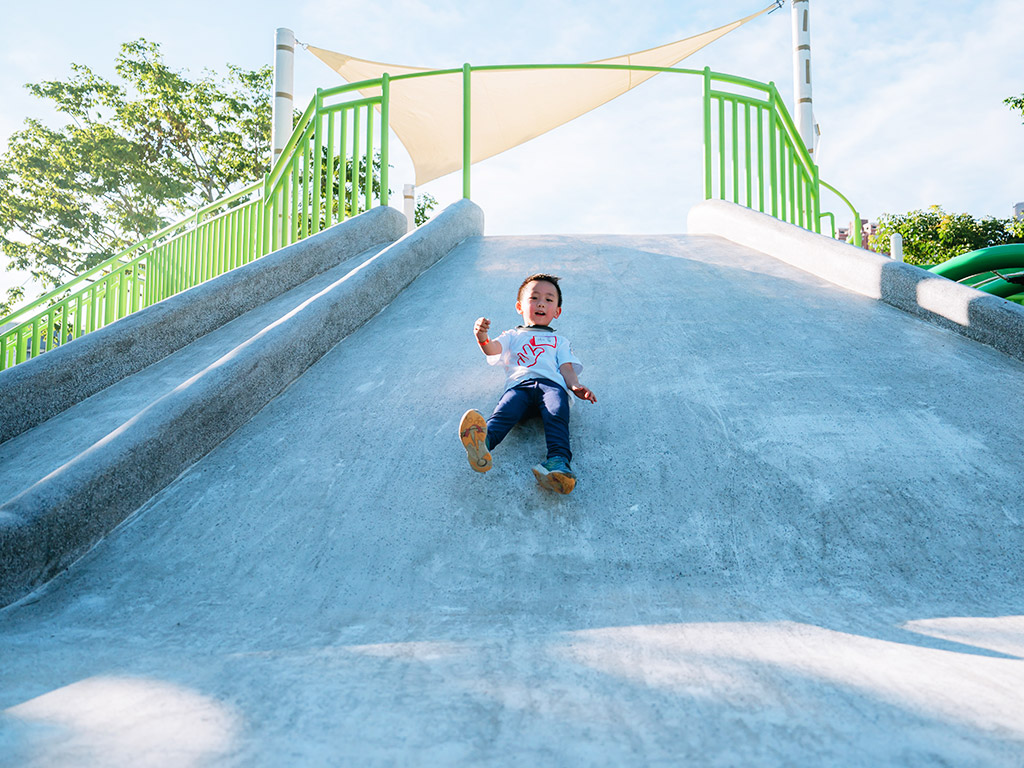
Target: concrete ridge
(41, 387)
(32, 455)
(972, 313)
(50, 524)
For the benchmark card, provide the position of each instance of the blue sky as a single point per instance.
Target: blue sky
(908, 94)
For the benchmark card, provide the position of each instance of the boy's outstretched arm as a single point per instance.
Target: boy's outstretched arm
(480, 328)
(569, 374)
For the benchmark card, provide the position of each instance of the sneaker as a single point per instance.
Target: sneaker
(473, 432)
(555, 475)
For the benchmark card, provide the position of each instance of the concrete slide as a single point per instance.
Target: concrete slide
(791, 544)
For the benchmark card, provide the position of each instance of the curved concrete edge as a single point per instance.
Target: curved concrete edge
(969, 312)
(54, 522)
(40, 388)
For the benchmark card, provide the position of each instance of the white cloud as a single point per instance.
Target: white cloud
(920, 120)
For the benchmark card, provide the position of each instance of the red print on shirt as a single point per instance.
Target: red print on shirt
(533, 349)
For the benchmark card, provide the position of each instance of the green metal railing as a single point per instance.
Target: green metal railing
(216, 238)
(753, 156)
(323, 176)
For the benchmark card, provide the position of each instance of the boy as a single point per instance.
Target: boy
(540, 372)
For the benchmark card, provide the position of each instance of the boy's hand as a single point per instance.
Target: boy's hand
(487, 346)
(583, 393)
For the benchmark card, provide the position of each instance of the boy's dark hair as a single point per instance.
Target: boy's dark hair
(547, 279)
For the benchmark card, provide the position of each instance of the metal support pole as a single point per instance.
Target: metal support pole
(804, 106)
(409, 193)
(284, 84)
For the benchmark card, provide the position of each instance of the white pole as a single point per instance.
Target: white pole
(284, 84)
(896, 246)
(804, 106)
(409, 192)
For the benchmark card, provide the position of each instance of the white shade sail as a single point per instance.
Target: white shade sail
(508, 107)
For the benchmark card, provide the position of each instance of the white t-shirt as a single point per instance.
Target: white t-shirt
(534, 353)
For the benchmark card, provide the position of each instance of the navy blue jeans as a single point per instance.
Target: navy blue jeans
(529, 398)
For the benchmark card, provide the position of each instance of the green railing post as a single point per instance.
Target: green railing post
(708, 186)
(761, 165)
(317, 163)
(368, 189)
(343, 165)
(746, 155)
(773, 160)
(816, 200)
(466, 111)
(385, 99)
(329, 192)
(722, 186)
(735, 152)
(354, 209)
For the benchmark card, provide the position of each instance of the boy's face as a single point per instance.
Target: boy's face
(538, 303)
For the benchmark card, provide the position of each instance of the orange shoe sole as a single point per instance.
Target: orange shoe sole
(559, 482)
(473, 433)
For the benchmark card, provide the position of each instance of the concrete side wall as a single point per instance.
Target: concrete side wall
(40, 388)
(48, 526)
(972, 313)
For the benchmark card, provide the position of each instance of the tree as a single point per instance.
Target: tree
(933, 236)
(135, 154)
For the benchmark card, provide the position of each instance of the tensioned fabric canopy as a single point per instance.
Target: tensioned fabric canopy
(508, 107)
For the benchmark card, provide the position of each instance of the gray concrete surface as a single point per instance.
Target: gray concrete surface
(796, 541)
(70, 481)
(44, 386)
(977, 315)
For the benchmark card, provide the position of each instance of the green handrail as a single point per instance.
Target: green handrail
(786, 169)
(855, 223)
(325, 175)
(320, 178)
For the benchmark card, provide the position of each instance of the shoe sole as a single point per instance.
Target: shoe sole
(559, 482)
(473, 433)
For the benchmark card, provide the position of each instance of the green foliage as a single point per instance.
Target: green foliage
(1015, 103)
(424, 205)
(134, 154)
(933, 236)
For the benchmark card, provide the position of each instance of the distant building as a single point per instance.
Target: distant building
(867, 230)
(1018, 211)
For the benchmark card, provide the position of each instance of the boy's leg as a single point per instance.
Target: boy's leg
(555, 413)
(555, 474)
(507, 413)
